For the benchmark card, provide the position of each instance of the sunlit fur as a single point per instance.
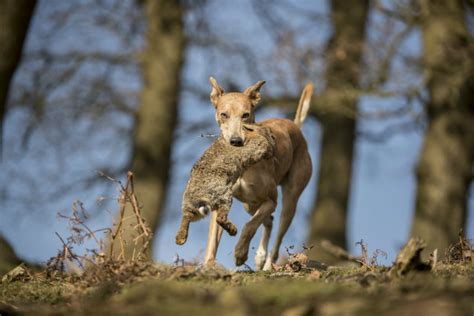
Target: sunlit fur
(257, 188)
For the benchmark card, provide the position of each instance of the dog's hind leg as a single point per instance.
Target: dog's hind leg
(289, 201)
(213, 239)
(292, 187)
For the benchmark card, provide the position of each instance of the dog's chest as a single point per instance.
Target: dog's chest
(244, 190)
(254, 186)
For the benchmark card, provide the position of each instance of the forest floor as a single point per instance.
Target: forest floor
(141, 288)
(104, 283)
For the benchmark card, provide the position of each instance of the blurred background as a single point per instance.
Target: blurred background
(94, 87)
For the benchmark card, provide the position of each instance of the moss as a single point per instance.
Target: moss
(168, 297)
(197, 291)
(34, 292)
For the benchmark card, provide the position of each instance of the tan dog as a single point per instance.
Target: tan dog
(257, 188)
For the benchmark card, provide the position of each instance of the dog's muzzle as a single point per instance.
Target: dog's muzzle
(236, 141)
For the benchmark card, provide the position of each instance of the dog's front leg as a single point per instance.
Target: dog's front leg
(262, 250)
(242, 249)
(213, 239)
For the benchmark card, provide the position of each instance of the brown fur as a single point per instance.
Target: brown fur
(257, 187)
(214, 175)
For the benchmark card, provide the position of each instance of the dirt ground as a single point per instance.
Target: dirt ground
(152, 289)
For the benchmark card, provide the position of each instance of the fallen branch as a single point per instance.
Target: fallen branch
(338, 252)
(342, 254)
(409, 258)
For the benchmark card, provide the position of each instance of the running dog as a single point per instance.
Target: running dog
(289, 168)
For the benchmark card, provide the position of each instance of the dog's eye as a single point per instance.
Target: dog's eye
(224, 115)
(245, 115)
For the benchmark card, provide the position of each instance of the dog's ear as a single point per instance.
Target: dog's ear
(216, 91)
(253, 92)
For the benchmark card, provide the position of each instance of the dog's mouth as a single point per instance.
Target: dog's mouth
(248, 128)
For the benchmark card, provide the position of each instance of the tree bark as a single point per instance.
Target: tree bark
(8, 258)
(445, 167)
(157, 115)
(344, 60)
(15, 16)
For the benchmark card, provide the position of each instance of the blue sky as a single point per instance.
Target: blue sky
(64, 150)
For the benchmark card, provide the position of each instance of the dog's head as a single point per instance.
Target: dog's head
(235, 109)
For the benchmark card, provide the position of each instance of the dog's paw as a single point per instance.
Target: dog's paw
(268, 265)
(240, 260)
(260, 258)
(241, 256)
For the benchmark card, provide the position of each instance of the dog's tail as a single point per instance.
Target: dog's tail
(303, 105)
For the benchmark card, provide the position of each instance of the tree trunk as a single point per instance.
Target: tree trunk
(445, 167)
(8, 258)
(15, 16)
(344, 60)
(157, 114)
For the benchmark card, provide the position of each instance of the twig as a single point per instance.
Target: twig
(142, 226)
(364, 251)
(122, 202)
(127, 195)
(141, 221)
(209, 135)
(80, 232)
(67, 253)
